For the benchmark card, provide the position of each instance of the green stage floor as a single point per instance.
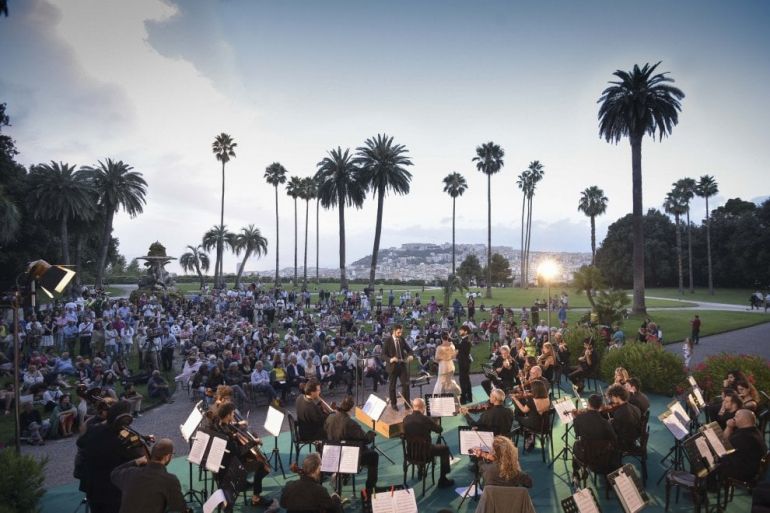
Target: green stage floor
(550, 484)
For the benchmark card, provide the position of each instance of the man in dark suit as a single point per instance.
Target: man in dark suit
(310, 414)
(418, 426)
(626, 419)
(339, 426)
(307, 493)
(590, 426)
(464, 365)
(635, 395)
(749, 446)
(497, 418)
(146, 486)
(295, 374)
(397, 354)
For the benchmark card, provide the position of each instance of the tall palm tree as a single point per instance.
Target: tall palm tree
(224, 150)
(523, 182)
(383, 168)
(275, 175)
(340, 184)
(309, 192)
(636, 104)
(59, 192)
(686, 191)
(218, 237)
(536, 173)
(250, 241)
(593, 203)
(11, 217)
(489, 160)
(294, 190)
(674, 204)
(454, 185)
(707, 187)
(116, 186)
(196, 259)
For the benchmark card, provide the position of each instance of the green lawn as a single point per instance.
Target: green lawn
(676, 324)
(729, 296)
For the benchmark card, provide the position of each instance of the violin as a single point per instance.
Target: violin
(245, 438)
(605, 409)
(476, 408)
(132, 439)
(327, 408)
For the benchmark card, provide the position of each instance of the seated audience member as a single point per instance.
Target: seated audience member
(135, 398)
(749, 446)
(32, 423)
(501, 466)
(260, 382)
(63, 418)
(157, 387)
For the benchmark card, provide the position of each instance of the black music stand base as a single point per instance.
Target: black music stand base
(474, 484)
(83, 504)
(675, 454)
(566, 451)
(192, 495)
(275, 458)
(374, 443)
(441, 440)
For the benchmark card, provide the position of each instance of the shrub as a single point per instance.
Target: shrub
(575, 337)
(712, 371)
(22, 484)
(660, 372)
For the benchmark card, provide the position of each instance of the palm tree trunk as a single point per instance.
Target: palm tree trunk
(295, 242)
(78, 257)
(221, 243)
(198, 270)
(689, 251)
(317, 240)
(679, 253)
(593, 240)
(489, 237)
(106, 234)
(277, 278)
(527, 240)
(377, 232)
(242, 267)
(65, 241)
(708, 247)
(343, 274)
(521, 255)
(304, 264)
(454, 200)
(639, 306)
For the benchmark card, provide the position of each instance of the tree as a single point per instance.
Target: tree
(451, 285)
(340, 184)
(588, 279)
(707, 187)
(593, 203)
(523, 182)
(500, 271)
(116, 186)
(250, 241)
(309, 192)
(294, 190)
(470, 269)
(489, 160)
(224, 150)
(454, 185)
(535, 173)
(11, 217)
(383, 169)
(59, 193)
(218, 237)
(275, 175)
(686, 191)
(674, 205)
(195, 260)
(636, 104)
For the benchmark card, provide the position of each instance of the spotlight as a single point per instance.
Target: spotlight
(51, 278)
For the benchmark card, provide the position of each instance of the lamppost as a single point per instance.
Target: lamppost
(548, 270)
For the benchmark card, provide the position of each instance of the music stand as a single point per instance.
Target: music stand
(565, 410)
(674, 422)
(374, 407)
(582, 501)
(273, 423)
(629, 489)
(394, 496)
(439, 406)
(470, 439)
(189, 429)
(340, 458)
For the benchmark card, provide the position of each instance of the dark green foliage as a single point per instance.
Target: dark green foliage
(611, 306)
(470, 269)
(22, 484)
(710, 373)
(660, 371)
(501, 270)
(575, 338)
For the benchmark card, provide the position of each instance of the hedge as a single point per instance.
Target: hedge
(713, 370)
(659, 371)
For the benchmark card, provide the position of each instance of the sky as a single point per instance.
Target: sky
(152, 82)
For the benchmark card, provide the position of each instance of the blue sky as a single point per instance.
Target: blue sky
(152, 82)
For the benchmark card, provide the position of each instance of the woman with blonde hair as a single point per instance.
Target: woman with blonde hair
(621, 376)
(501, 467)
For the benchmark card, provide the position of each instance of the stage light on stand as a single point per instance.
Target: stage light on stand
(51, 278)
(548, 270)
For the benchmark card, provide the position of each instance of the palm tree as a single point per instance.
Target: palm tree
(674, 204)
(686, 190)
(454, 185)
(535, 171)
(383, 168)
(250, 241)
(636, 104)
(195, 260)
(58, 192)
(523, 182)
(218, 237)
(707, 187)
(294, 190)
(116, 186)
(593, 203)
(275, 175)
(588, 279)
(11, 217)
(489, 160)
(340, 184)
(224, 150)
(309, 192)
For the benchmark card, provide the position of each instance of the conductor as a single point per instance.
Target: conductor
(398, 354)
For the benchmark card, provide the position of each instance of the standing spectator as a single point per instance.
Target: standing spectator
(687, 350)
(695, 324)
(168, 344)
(85, 329)
(70, 335)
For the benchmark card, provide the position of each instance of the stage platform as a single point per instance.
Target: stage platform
(551, 485)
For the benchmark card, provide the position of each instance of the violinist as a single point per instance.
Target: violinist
(586, 363)
(590, 425)
(506, 369)
(547, 360)
(497, 418)
(501, 467)
(307, 493)
(626, 419)
(621, 376)
(530, 410)
(635, 396)
(310, 413)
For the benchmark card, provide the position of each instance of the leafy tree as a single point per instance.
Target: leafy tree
(250, 241)
(383, 168)
(489, 160)
(133, 268)
(196, 259)
(454, 185)
(611, 306)
(116, 186)
(535, 173)
(294, 190)
(470, 269)
(11, 217)
(636, 104)
(309, 192)
(588, 279)
(275, 175)
(685, 188)
(593, 203)
(449, 286)
(500, 270)
(675, 205)
(707, 187)
(224, 150)
(340, 184)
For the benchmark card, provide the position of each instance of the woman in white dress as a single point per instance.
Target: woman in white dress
(445, 354)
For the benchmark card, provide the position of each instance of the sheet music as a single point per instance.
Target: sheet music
(472, 439)
(191, 424)
(564, 408)
(401, 501)
(215, 500)
(198, 449)
(585, 501)
(692, 381)
(715, 442)
(693, 404)
(348, 461)
(216, 453)
(441, 406)
(374, 407)
(629, 493)
(274, 421)
(330, 458)
(698, 396)
(677, 408)
(673, 423)
(704, 451)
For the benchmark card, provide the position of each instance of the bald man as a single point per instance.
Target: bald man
(146, 486)
(419, 426)
(749, 446)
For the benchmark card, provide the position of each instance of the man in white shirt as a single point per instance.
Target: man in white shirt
(260, 381)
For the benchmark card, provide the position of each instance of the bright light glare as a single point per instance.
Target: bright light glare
(548, 269)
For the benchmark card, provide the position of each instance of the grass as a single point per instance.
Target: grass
(728, 296)
(676, 324)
